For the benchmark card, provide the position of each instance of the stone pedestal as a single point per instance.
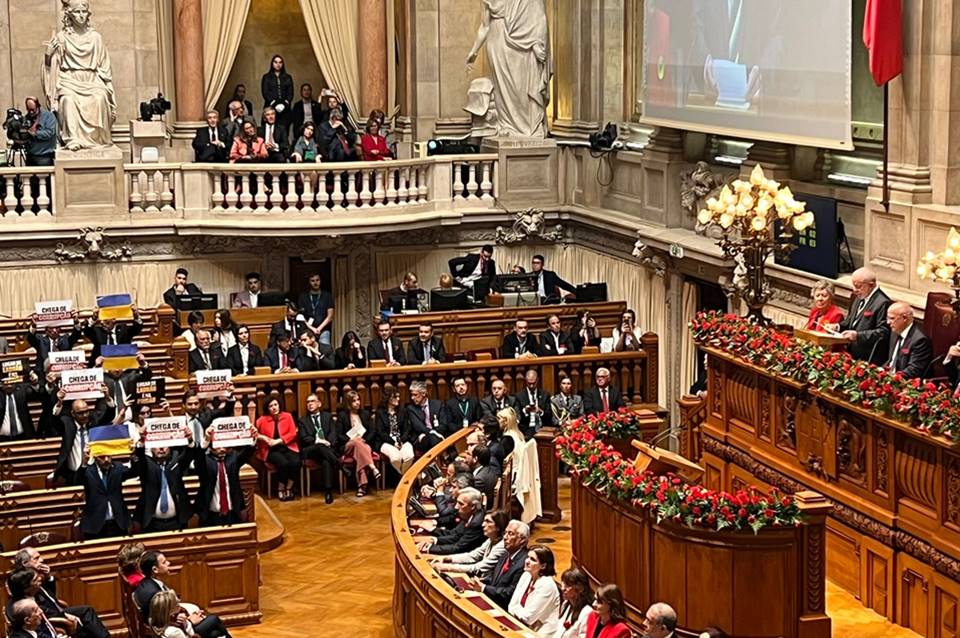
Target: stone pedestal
(147, 134)
(772, 156)
(528, 171)
(662, 162)
(90, 185)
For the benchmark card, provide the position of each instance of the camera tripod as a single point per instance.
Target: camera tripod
(16, 155)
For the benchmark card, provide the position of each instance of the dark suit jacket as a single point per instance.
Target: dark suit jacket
(143, 594)
(375, 350)
(148, 469)
(467, 535)
(915, 354)
(438, 415)
(489, 405)
(526, 419)
(455, 412)
(294, 329)
(217, 360)
(307, 433)
(552, 281)
(485, 480)
(415, 350)
(873, 332)
(332, 148)
(96, 496)
(499, 586)
(98, 335)
(511, 345)
(309, 362)
(128, 380)
(209, 470)
(172, 299)
(381, 421)
(548, 345)
(465, 265)
(41, 343)
(272, 357)
(254, 360)
(297, 117)
(204, 151)
(593, 404)
(22, 393)
(280, 138)
(69, 429)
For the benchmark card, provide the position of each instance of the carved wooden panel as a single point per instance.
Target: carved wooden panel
(877, 578)
(716, 387)
(945, 615)
(951, 492)
(713, 476)
(915, 469)
(741, 396)
(764, 423)
(843, 558)
(851, 451)
(881, 464)
(785, 419)
(815, 434)
(914, 598)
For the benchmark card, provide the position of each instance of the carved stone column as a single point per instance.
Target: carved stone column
(772, 156)
(372, 42)
(188, 57)
(662, 163)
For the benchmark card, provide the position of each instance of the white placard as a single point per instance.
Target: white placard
(231, 431)
(82, 384)
(165, 431)
(356, 431)
(54, 313)
(67, 360)
(213, 383)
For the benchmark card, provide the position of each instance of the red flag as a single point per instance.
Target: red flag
(883, 37)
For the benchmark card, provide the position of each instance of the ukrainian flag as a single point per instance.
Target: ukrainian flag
(115, 307)
(109, 440)
(119, 357)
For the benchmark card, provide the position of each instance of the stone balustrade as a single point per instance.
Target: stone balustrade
(26, 193)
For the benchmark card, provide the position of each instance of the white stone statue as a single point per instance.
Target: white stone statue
(78, 82)
(518, 57)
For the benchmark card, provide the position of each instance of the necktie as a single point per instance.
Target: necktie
(82, 432)
(388, 348)
(103, 477)
(283, 359)
(426, 352)
(222, 483)
(896, 351)
(506, 566)
(213, 135)
(53, 345)
(318, 428)
(426, 412)
(606, 401)
(197, 428)
(164, 488)
(269, 134)
(12, 411)
(863, 302)
(206, 359)
(522, 346)
(110, 338)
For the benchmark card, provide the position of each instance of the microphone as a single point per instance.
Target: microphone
(666, 434)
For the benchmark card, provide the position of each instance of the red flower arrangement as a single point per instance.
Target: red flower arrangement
(924, 405)
(600, 466)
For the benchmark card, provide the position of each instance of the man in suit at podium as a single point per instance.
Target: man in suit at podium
(910, 351)
(549, 284)
(865, 326)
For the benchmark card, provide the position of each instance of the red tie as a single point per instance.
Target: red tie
(606, 402)
(506, 566)
(283, 360)
(222, 480)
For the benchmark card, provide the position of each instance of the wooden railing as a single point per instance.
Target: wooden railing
(424, 605)
(894, 533)
(766, 585)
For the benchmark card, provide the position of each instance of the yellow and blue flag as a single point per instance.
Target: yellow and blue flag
(109, 440)
(118, 307)
(122, 356)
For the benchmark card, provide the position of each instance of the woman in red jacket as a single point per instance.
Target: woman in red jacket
(609, 616)
(372, 144)
(277, 445)
(825, 315)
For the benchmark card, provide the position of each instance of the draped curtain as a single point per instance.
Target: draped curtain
(688, 350)
(223, 24)
(333, 27)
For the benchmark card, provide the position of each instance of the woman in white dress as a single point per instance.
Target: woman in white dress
(536, 600)
(577, 603)
(627, 337)
(525, 465)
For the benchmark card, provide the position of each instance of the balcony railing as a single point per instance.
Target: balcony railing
(26, 193)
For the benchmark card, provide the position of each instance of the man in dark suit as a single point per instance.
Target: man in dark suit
(426, 348)
(163, 504)
(282, 356)
(15, 420)
(602, 397)
(554, 341)
(498, 400)
(122, 385)
(485, 474)
(105, 513)
(468, 534)
(535, 411)
(865, 326)
(320, 441)
(24, 587)
(155, 567)
(211, 143)
(313, 356)
(220, 498)
(519, 343)
(473, 266)
(499, 583)
(27, 620)
(52, 339)
(317, 306)
(549, 284)
(110, 332)
(293, 324)
(910, 351)
(274, 137)
(305, 110)
(387, 347)
(462, 408)
(245, 356)
(200, 414)
(426, 417)
(72, 457)
(203, 357)
(180, 288)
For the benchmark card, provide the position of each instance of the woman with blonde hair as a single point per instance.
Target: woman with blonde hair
(525, 470)
(167, 618)
(825, 314)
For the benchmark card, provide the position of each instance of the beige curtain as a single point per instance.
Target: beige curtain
(146, 281)
(779, 315)
(333, 26)
(223, 23)
(688, 364)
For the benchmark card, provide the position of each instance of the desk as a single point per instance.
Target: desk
(259, 320)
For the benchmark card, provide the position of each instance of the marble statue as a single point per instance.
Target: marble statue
(482, 107)
(514, 33)
(78, 82)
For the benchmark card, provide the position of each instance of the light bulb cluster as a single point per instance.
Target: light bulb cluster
(942, 266)
(752, 206)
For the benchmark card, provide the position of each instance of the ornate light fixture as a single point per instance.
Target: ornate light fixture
(944, 266)
(756, 218)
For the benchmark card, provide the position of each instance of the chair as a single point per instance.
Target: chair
(131, 614)
(940, 324)
(348, 462)
(42, 539)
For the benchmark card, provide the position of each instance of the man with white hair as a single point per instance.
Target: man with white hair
(865, 327)
(602, 397)
(660, 621)
(499, 583)
(910, 351)
(468, 534)
(427, 418)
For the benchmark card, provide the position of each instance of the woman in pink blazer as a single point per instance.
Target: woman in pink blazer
(609, 616)
(277, 445)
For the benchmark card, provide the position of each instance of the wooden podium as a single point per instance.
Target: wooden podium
(661, 461)
(823, 339)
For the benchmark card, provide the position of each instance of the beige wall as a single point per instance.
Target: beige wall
(273, 27)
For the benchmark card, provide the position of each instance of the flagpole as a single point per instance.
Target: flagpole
(885, 198)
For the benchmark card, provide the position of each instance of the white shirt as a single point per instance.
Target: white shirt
(578, 626)
(540, 290)
(10, 416)
(898, 340)
(254, 299)
(476, 274)
(245, 357)
(542, 609)
(268, 134)
(307, 111)
(76, 453)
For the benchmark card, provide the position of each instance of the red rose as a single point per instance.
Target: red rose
(867, 313)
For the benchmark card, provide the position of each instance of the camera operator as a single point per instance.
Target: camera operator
(42, 147)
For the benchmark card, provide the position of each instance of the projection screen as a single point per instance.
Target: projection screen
(774, 70)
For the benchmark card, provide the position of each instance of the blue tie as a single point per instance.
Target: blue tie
(164, 503)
